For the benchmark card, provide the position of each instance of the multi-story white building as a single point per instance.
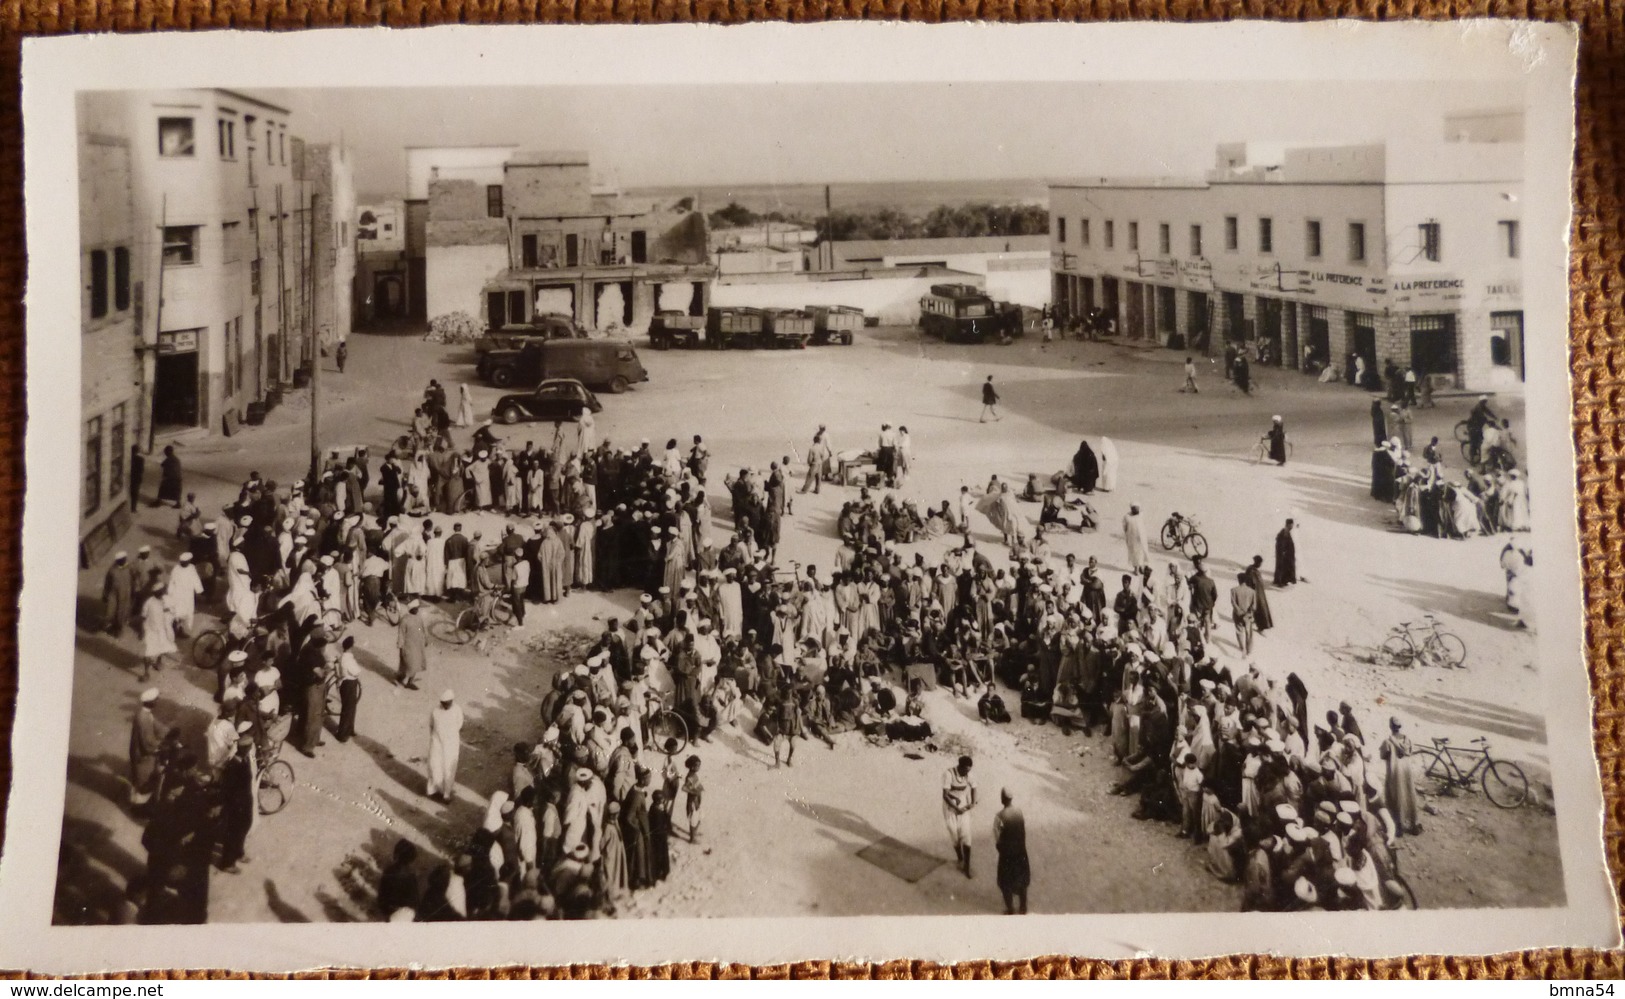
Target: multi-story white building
(1399, 253)
(110, 306)
(225, 256)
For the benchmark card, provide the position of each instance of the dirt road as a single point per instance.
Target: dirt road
(785, 842)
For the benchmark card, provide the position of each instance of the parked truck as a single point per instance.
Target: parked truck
(540, 328)
(786, 328)
(835, 323)
(670, 328)
(733, 326)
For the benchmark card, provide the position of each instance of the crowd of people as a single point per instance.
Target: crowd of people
(1489, 497)
(1301, 813)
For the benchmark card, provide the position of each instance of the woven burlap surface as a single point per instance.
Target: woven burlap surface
(1596, 278)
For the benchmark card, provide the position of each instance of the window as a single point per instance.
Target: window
(227, 357)
(175, 137)
(1083, 232)
(1060, 230)
(1311, 238)
(1266, 235)
(228, 139)
(1134, 236)
(180, 245)
(282, 146)
(640, 246)
(1232, 232)
(237, 350)
(231, 242)
(254, 277)
(1429, 234)
(1356, 242)
(1165, 244)
(1111, 234)
(493, 201)
(1509, 238)
(115, 453)
(572, 250)
(92, 500)
(1196, 241)
(98, 283)
(121, 278)
(527, 250)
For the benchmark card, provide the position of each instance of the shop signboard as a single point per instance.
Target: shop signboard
(1196, 275)
(1426, 293)
(178, 342)
(1505, 292)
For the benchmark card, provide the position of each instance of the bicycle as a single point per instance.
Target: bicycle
(1503, 781)
(332, 622)
(667, 729)
(461, 629)
(1261, 450)
(1183, 533)
(1396, 891)
(1409, 644)
(274, 784)
(209, 648)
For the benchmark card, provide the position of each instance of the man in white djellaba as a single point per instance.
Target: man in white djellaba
(445, 746)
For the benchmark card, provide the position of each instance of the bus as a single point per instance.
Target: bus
(963, 312)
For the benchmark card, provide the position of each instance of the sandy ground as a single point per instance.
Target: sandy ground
(785, 841)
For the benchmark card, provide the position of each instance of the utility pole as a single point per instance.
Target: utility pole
(314, 354)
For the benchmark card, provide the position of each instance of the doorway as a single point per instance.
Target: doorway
(1433, 344)
(1506, 341)
(1136, 311)
(388, 298)
(1269, 329)
(175, 392)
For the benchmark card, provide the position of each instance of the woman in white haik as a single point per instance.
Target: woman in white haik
(465, 406)
(1108, 465)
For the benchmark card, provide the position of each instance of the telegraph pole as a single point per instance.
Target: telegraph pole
(315, 354)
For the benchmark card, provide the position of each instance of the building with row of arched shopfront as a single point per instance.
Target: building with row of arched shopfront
(1308, 255)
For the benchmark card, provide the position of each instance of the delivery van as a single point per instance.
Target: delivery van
(612, 365)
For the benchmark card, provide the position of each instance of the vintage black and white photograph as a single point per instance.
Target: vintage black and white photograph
(813, 497)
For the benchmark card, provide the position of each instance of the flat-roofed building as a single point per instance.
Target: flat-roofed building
(1398, 253)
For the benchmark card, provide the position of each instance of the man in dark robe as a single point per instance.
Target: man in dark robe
(1010, 839)
(1085, 468)
(1255, 579)
(169, 479)
(1286, 556)
(390, 476)
(138, 470)
(117, 595)
(237, 802)
(1383, 468)
(1277, 439)
(635, 833)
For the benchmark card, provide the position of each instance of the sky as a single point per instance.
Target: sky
(642, 136)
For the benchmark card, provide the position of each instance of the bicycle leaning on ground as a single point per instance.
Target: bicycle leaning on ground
(1502, 780)
(1261, 450)
(1182, 533)
(1423, 643)
(491, 607)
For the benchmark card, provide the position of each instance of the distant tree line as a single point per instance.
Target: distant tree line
(944, 221)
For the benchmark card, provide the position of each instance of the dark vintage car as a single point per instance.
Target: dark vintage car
(554, 400)
(512, 336)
